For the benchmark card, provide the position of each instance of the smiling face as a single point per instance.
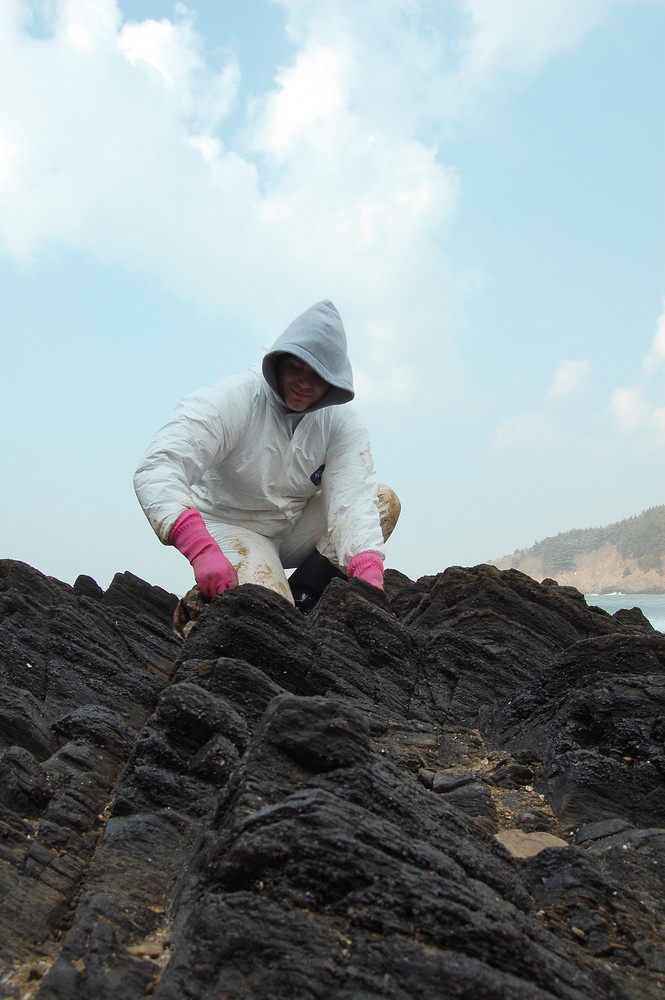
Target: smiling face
(299, 385)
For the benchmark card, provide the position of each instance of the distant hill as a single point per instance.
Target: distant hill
(627, 557)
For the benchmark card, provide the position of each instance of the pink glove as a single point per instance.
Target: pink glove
(212, 570)
(367, 566)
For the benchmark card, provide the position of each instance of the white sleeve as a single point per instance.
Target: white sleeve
(349, 490)
(201, 430)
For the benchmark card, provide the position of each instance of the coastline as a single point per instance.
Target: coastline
(651, 605)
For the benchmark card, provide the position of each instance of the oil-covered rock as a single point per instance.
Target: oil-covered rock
(453, 788)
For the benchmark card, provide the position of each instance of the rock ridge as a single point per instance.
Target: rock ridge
(451, 788)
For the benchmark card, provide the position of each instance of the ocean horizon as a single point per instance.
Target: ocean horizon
(651, 605)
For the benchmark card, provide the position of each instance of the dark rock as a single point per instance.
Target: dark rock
(127, 591)
(492, 633)
(289, 806)
(24, 786)
(85, 586)
(634, 619)
(534, 821)
(610, 901)
(599, 831)
(596, 720)
(394, 582)
(22, 722)
(78, 681)
(474, 799)
(512, 775)
(447, 781)
(572, 592)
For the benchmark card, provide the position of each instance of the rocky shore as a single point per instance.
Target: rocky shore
(603, 571)
(453, 789)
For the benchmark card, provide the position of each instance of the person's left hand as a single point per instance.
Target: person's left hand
(367, 566)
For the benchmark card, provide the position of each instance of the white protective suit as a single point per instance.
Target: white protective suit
(270, 484)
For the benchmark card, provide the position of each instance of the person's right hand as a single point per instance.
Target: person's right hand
(212, 570)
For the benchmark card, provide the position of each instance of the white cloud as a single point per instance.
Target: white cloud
(116, 140)
(655, 359)
(630, 409)
(380, 375)
(436, 65)
(172, 52)
(86, 24)
(634, 413)
(546, 428)
(308, 105)
(520, 35)
(159, 44)
(637, 416)
(569, 378)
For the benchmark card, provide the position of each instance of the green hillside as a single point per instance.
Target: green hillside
(641, 537)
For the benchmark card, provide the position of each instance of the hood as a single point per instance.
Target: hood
(317, 337)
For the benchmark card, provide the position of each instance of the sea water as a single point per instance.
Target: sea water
(651, 605)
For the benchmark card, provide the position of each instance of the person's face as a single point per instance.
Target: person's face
(299, 385)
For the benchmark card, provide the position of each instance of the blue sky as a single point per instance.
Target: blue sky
(478, 185)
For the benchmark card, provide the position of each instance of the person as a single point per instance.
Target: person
(272, 469)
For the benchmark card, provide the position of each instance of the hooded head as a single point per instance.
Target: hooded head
(316, 337)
